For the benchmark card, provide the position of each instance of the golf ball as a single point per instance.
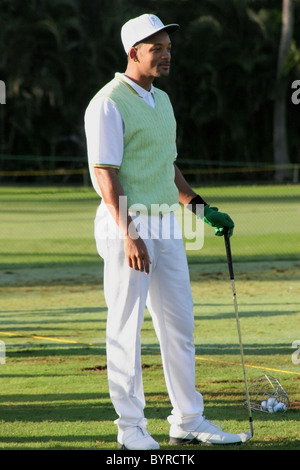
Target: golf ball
(271, 401)
(264, 405)
(270, 404)
(280, 407)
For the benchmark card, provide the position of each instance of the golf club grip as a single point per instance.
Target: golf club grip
(228, 252)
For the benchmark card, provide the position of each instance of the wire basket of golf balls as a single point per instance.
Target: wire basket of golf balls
(267, 395)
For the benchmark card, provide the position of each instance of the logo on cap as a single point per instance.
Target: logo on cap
(152, 19)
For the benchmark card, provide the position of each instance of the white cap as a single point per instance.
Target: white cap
(142, 27)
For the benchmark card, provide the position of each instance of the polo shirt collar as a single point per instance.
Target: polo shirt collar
(137, 88)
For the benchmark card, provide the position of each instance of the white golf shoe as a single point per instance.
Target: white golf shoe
(136, 438)
(206, 433)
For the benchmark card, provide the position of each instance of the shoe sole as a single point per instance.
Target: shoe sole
(194, 441)
(179, 441)
(123, 447)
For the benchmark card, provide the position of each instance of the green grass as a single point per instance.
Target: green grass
(54, 391)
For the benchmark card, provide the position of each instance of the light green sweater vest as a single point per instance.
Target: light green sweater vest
(147, 169)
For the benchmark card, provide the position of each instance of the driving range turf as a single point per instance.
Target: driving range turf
(54, 393)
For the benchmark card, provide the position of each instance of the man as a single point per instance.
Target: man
(131, 132)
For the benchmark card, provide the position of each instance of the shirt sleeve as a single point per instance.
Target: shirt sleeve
(104, 133)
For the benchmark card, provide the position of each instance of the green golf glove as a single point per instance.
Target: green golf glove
(218, 220)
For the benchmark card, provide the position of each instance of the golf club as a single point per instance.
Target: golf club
(231, 273)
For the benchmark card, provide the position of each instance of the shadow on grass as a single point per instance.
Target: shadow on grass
(34, 352)
(87, 407)
(254, 349)
(57, 407)
(229, 349)
(245, 314)
(48, 351)
(54, 313)
(71, 270)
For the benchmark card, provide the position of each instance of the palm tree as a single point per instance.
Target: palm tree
(281, 152)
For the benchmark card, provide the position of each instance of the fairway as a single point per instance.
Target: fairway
(54, 392)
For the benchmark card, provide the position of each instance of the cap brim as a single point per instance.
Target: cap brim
(170, 28)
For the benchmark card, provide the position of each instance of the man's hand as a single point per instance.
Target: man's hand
(218, 220)
(137, 254)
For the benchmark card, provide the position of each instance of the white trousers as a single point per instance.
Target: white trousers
(167, 295)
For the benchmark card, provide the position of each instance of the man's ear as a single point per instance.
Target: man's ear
(133, 54)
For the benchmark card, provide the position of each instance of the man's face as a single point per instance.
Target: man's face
(154, 55)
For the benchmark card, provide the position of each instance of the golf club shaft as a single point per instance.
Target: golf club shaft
(231, 273)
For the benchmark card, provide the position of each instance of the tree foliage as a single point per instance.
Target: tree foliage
(56, 54)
